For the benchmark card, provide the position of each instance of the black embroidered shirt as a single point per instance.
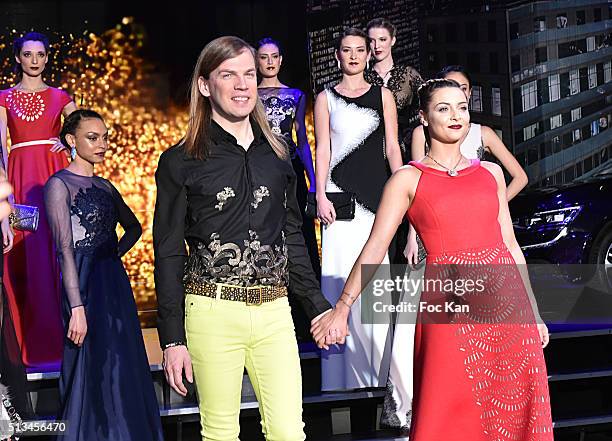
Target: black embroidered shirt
(237, 211)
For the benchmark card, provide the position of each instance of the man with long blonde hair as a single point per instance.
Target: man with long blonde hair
(228, 190)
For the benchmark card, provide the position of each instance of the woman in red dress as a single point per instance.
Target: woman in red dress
(477, 377)
(32, 113)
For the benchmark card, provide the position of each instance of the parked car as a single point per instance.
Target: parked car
(568, 224)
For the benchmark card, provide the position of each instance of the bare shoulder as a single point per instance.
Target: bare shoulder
(403, 182)
(406, 173)
(321, 97)
(386, 94)
(494, 169)
(487, 133)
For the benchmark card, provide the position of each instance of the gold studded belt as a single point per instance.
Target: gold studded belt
(251, 295)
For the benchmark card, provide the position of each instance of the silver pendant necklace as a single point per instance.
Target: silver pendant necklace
(452, 172)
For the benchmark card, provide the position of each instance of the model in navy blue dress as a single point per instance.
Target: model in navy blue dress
(105, 384)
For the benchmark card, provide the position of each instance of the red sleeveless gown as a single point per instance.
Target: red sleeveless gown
(472, 380)
(31, 271)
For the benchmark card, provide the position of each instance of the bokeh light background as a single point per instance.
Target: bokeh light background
(107, 73)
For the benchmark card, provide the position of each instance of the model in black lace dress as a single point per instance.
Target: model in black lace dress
(106, 388)
(286, 110)
(403, 81)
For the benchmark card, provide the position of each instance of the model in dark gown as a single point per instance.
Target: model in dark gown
(283, 105)
(105, 385)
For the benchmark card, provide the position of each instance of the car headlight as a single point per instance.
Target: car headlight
(552, 218)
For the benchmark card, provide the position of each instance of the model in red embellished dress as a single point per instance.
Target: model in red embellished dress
(476, 378)
(32, 111)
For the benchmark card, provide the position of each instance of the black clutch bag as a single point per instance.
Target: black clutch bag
(24, 218)
(344, 204)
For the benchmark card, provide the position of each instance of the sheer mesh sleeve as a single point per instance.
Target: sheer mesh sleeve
(57, 203)
(129, 222)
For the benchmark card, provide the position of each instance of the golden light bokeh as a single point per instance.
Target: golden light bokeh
(107, 73)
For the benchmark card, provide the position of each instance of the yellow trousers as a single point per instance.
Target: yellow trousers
(223, 338)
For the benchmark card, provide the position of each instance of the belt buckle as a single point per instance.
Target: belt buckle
(259, 290)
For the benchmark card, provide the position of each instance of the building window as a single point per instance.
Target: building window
(543, 150)
(514, 31)
(572, 48)
(580, 18)
(603, 40)
(576, 114)
(476, 99)
(579, 169)
(515, 63)
(574, 79)
(531, 131)
(541, 54)
(592, 76)
(543, 91)
(532, 155)
(588, 164)
(554, 87)
(603, 123)
(584, 79)
(539, 24)
(492, 30)
(595, 128)
(605, 154)
(451, 32)
(555, 122)
(590, 44)
(576, 138)
(595, 160)
(529, 94)
(607, 72)
(496, 101)
(493, 63)
(567, 140)
(556, 144)
(597, 14)
(471, 31)
(565, 86)
(600, 73)
(561, 21)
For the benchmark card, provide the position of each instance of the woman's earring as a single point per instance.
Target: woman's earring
(367, 64)
(73, 153)
(339, 66)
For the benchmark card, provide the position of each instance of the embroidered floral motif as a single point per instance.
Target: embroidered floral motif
(256, 264)
(27, 106)
(259, 194)
(223, 196)
(277, 109)
(98, 216)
